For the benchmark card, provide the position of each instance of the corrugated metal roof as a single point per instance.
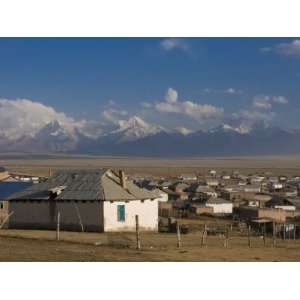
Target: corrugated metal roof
(98, 185)
(8, 188)
(213, 200)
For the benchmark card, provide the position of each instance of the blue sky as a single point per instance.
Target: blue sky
(83, 77)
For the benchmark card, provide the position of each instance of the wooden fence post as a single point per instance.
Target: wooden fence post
(79, 216)
(274, 234)
(203, 242)
(264, 236)
(226, 242)
(6, 219)
(137, 232)
(284, 228)
(294, 231)
(249, 239)
(58, 226)
(178, 235)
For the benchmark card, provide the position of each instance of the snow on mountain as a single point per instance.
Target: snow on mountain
(241, 129)
(134, 129)
(183, 130)
(134, 136)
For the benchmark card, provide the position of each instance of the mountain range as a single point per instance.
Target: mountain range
(137, 137)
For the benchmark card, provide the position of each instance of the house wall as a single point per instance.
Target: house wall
(286, 207)
(4, 175)
(224, 208)
(165, 209)
(146, 210)
(199, 210)
(3, 211)
(43, 215)
(275, 214)
(163, 197)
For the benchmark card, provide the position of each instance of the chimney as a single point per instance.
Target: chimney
(122, 179)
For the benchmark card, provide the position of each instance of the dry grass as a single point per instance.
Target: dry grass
(30, 245)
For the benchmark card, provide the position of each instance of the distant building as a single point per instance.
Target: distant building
(212, 173)
(219, 205)
(179, 187)
(196, 189)
(257, 200)
(248, 213)
(212, 182)
(281, 202)
(188, 177)
(252, 188)
(3, 173)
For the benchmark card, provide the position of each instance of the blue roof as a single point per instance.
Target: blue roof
(8, 188)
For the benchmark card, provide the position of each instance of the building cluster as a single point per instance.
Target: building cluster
(108, 200)
(259, 198)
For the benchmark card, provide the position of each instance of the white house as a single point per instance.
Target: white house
(276, 185)
(213, 173)
(96, 200)
(219, 205)
(212, 182)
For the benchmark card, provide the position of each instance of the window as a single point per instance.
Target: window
(121, 213)
(1, 205)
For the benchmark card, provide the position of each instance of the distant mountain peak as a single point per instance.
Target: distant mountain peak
(241, 129)
(136, 128)
(183, 130)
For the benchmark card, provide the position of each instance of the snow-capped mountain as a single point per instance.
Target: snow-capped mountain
(133, 129)
(137, 137)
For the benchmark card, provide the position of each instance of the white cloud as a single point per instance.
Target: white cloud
(25, 117)
(174, 43)
(146, 105)
(288, 49)
(233, 91)
(229, 91)
(114, 115)
(266, 102)
(245, 120)
(262, 102)
(280, 99)
(198, 112)
(171, 96)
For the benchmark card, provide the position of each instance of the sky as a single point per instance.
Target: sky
(191, 83)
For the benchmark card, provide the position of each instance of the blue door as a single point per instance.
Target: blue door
(121, 213)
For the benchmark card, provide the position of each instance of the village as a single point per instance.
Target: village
(212, 209)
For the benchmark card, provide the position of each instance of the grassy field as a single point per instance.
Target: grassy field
(36, 165)
(30, 245)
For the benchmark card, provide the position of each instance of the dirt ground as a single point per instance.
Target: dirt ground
(32, 245)
(36, 165)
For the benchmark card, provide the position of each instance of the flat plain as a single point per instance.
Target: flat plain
(39, 165)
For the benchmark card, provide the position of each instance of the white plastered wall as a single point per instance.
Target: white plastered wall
(147, 211)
